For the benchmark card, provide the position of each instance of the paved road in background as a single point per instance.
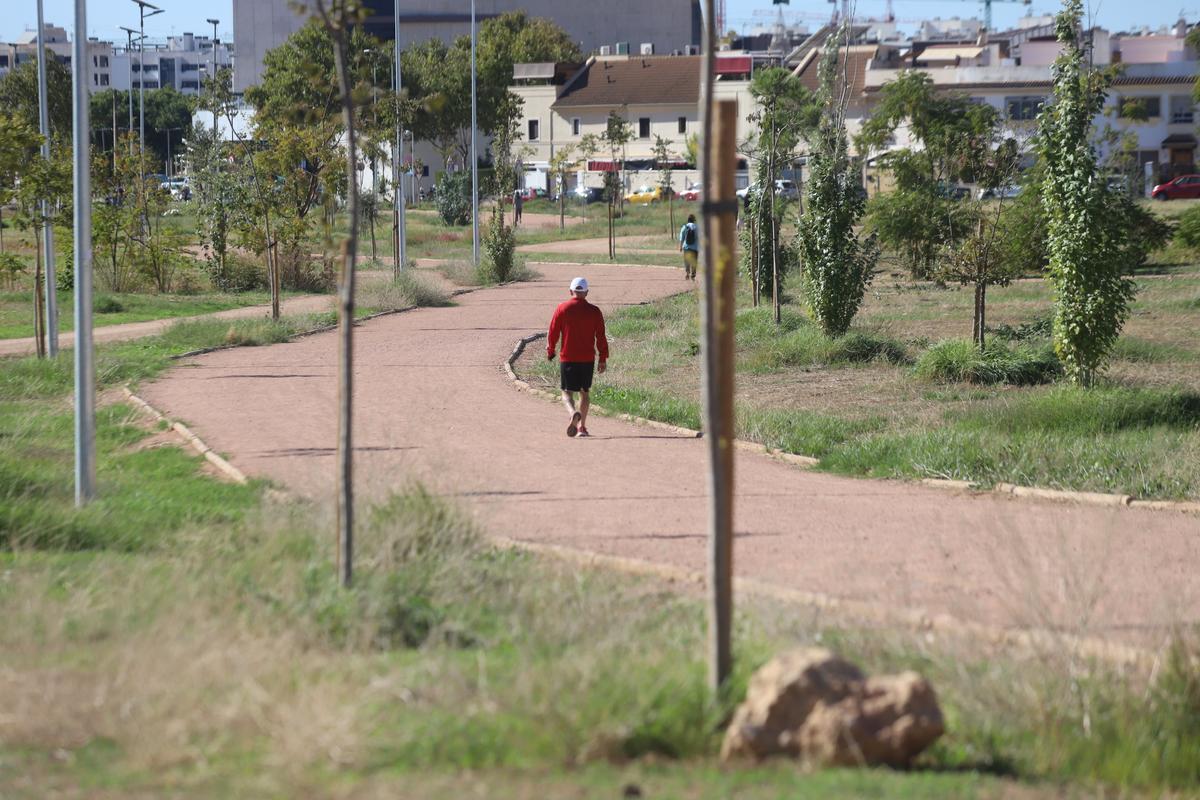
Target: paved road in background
(433, 404)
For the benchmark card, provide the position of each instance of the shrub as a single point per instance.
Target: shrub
(453, 197)
(961, 361)
(1187, 232)
(107, 304)
(1039, 328)
(500, 247)
(236, 274)
(409, 290)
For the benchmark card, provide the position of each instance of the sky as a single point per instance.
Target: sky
(104, 16)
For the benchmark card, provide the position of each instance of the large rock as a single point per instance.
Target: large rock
(812, 705)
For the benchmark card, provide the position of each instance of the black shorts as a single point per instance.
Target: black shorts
(576, 376)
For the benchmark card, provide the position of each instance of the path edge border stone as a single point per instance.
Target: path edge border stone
(1031, 492)
(197, 444)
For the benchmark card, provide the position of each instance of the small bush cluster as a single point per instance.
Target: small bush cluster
(1187, 231)
(453, 197)
(236, 274)
(409, 290)
(799, 342)
(961, 361)
(500, 251)
(107, 304)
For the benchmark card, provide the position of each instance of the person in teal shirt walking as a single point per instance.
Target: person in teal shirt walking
(689, 245)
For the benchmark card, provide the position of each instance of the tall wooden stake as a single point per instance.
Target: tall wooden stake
(720, 274)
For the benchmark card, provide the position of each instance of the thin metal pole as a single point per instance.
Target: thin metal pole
(474, 157)
(85, 374)
(214, 22)
(47, 228)
(129, 73)
(142, 96)
(399, 203)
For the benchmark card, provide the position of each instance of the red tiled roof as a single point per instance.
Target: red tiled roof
(638, 80)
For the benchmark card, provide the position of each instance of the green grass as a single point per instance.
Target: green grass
(243, 669)
(999, 418)
(16, 309)
(962, 361)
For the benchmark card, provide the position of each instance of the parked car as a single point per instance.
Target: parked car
(179, 188)
(691, 193)
(645, 195)
(1185, 186)
(588, 194)
(1000, 192)
(787, 190)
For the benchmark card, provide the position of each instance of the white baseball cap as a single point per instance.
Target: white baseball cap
(579, 285)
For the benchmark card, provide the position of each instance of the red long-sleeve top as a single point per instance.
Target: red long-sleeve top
(581, 326)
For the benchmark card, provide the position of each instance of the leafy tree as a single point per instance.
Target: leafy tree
(664, 159)
(19, 95)
(955, 140)
(561, 163)
(837, 265)
(438, 77)
(1085, 236)
(785, 113)
(617, 133)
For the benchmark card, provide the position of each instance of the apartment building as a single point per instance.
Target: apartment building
(179, 62)
(13, 54)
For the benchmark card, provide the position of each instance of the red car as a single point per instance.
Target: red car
(1181, 187)
(690, 194)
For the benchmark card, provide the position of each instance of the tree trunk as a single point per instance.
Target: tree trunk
(39, 320)
(345, 443)
(982, 314)
(755, 275)
(670, 205)
(562, 199)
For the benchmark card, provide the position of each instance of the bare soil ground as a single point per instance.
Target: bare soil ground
(433, 404)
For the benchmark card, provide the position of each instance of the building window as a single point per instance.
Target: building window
(1024, 108)
(1182, 110)
(104, 61)
(95, 79)
(644, 128)
(189, 85)
(1139, 107)
(3, 61)
(575, 126)
(533, 130)
(683, 124)
(104, 79)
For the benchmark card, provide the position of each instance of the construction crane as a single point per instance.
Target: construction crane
(987, 10)
(841, 9)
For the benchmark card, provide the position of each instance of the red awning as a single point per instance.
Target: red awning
(602, 166)
(734, 65)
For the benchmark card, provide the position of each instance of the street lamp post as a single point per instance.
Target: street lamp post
(85, 373)
(474, 155)
(129, 32)
(398, 203)
(213, 77)
(47, 228)
(142, 14)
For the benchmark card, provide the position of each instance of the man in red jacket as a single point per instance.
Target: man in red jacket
(581, 327)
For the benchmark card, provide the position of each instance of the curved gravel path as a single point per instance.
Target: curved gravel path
(434, 404)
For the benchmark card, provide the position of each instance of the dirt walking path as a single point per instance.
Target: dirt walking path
(642, 245)
(306, 304)
(434, 405)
